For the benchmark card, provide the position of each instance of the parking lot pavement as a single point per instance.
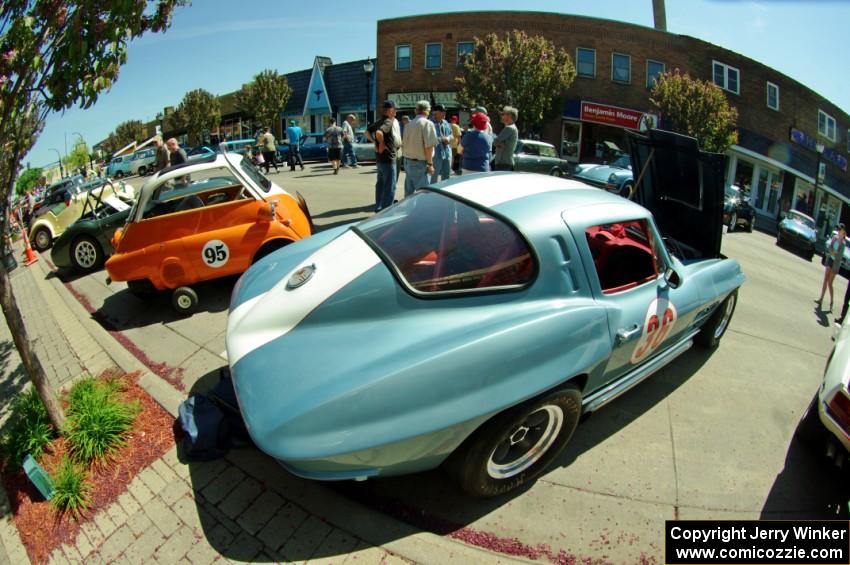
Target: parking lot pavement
(710, 436)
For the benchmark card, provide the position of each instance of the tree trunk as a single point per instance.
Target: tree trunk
(15, 321)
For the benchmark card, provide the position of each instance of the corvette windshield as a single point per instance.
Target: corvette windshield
(438, 244)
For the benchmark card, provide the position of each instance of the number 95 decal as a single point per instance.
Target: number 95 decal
(658, 323)
(215, 253)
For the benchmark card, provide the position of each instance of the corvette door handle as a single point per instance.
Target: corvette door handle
(625, 334)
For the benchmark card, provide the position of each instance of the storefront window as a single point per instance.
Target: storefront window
(570, 140)
(744, 177)
(804, 197)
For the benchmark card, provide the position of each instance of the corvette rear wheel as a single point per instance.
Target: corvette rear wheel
(710, 334)
(184, 300)
(86, 254)
(556, 172)
(516, 446)
(627, 190)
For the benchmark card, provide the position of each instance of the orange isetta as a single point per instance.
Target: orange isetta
(202, 220)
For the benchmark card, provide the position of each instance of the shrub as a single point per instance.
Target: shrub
(29, 429)
(71, 491)
(97, 419)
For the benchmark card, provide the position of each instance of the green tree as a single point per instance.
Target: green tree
(523, 71)
(27, 179)
(79, 157)
(265, 97)
(55, 54)
(198, 113)
(696, 108)
(125, 133)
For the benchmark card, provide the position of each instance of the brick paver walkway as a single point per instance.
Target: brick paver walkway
(239, 509)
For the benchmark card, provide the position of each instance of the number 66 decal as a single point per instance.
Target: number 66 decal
(659, 321)
(215, 253)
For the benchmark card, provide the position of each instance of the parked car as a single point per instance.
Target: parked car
(58, 192)
(737, 210)
(825, 425)
(143, 162)
(539, 157)
(86, 243)
(615, 177)
(509, 304)
(202, 220)
(797, 230)
(313, 148)
(199, 152)
(56, 218)
(364, 149)
(119, 166)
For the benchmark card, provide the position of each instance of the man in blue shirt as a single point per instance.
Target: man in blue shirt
(293, 136)
(443, 150)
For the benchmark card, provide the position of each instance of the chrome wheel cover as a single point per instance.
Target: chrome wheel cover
(42, 239)
(526, 443)
(85, 254)
(184, 302)
(727, 315)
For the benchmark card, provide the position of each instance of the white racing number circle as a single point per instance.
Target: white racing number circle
(658, 323)
(215, 254)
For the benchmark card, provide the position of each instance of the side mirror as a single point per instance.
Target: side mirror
(671, 277)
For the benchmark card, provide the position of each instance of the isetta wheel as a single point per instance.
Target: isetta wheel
(184, 300)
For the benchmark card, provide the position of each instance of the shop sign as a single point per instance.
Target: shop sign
(615, 116)
(409, 99)
(809, 142)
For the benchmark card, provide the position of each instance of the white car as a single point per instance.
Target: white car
(826, 423)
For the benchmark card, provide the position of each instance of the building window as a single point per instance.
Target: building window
(726, 77)
(586, 62)
(464, 49)
(402, 57)
(826, 125)
(433, 55)
(653, 69)
(772, 96)
(621, 68)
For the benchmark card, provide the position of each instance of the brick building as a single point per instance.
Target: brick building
(782, 123)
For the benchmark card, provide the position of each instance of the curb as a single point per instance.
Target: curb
(411, 543)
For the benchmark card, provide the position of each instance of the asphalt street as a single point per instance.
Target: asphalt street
(708, 437)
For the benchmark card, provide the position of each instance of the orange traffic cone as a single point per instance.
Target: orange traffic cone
(31, 256)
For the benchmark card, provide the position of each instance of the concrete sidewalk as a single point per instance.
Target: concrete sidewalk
(238, 509)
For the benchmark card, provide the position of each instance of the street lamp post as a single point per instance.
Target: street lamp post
(819, 147)
(59, 156)
(368, 67)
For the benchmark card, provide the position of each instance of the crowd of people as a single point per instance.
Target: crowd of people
(432, 147)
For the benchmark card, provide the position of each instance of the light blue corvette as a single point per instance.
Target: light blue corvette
(473, 323)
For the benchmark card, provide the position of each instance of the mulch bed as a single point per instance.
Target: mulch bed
(42, 530)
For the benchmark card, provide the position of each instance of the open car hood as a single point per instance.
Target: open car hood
(682, 186)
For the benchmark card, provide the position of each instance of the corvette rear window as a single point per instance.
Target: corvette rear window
(438, 244)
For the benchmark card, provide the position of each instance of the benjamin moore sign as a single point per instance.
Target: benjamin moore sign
(831, 155)
(409, 99)
(615, 116)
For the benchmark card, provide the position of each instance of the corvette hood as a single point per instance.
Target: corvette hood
(797, 228)
(681, 185)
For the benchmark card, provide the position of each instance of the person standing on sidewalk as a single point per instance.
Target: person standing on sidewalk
(457, 133)
(293, 137)
(177, 154)
(333, 135)
(349, 158)
(420, 138)
(269, 148)
(834, 255)
(385, 135)
(506, 141)
(443, 150)
(162, 158)
(476, 146)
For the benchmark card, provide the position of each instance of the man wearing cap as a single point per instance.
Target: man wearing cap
(483, 110)
(506, 141)
(443, 150)
(387, 137)
(293, 137)
(420, 138)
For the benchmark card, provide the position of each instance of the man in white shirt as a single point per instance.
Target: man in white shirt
(349, 158)
(419, 140)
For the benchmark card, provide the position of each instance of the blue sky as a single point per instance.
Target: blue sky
(221, 44)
